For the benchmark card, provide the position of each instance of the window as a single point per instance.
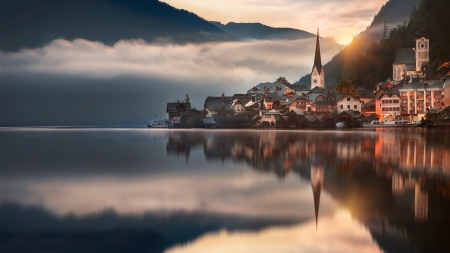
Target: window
(348, 106)
(267, 116)
(341, 106)
(348, 99)
(355, 107)
(315, 80)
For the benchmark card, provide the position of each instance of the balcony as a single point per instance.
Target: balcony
(404, 97)
(411, 97)
(438, 96)
(420, 97)
(412, 112)
(421, 112)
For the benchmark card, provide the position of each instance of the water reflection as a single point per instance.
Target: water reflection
(353, 191)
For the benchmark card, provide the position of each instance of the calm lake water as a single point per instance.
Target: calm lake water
(141, 190)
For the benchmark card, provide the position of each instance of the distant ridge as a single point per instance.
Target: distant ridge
(258, 31)
(34, 23)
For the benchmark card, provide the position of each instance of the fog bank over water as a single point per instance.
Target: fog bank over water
(88, 83)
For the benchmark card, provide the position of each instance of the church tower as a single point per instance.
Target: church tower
(317, 74)
(422, 47)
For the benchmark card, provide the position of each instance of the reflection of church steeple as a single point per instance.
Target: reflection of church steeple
(317, 184)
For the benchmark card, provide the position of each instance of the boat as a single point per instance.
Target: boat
(158, 124)
(341, 125)
(396, 123)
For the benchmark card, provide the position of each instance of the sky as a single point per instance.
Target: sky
(338, 19)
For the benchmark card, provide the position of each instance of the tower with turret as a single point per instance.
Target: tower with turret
(422, 48)
(317, 73)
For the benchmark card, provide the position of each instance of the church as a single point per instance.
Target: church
(409, 62)
(317, 73)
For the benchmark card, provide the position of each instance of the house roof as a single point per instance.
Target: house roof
(405, 56)
(172, 107)
(298, 112)
(352, 114)
(270, 88)
(298, 87)
(272, 112)
(388, 93)
(218, 103)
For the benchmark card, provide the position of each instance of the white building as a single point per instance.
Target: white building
(348, 102)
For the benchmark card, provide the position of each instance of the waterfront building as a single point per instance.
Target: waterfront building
(418, 98)
(389, 105)
(174, 110)
(348, 102)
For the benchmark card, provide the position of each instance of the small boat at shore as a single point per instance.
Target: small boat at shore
(158, 124)
(396, 123)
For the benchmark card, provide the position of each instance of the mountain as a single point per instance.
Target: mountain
(33, 23)
(258, 31)
(395, 12)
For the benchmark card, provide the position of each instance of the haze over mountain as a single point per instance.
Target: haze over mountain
(258, 31)
(34, 23)
(395, 12)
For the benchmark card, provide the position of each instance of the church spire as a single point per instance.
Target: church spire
(317, 57)
(317, 73)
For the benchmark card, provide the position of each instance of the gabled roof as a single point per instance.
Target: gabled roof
(405, 56)
(172, 107)
(352, 114)
(269, 87)
(298, 87)
(218, 103)
(317, 89)
(388, 93)
(272, 112)
(297, 112)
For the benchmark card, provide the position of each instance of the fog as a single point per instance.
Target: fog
(82, 82)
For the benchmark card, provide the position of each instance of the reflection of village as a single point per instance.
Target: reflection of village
(402, 171)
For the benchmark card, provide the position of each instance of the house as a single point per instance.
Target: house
(417, 97)
(174, 110)
(269, 118)
(299, 103)
(348, 102)
(388, 106)
(351, 118)
(218, 106)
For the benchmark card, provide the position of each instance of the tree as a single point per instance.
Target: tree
(282, 80)
(346, 86)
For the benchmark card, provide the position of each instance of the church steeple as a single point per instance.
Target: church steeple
(317, 73)
(317, 57)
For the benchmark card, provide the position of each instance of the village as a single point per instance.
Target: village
(415, 93)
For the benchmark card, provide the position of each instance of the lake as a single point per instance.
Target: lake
(179, 191)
